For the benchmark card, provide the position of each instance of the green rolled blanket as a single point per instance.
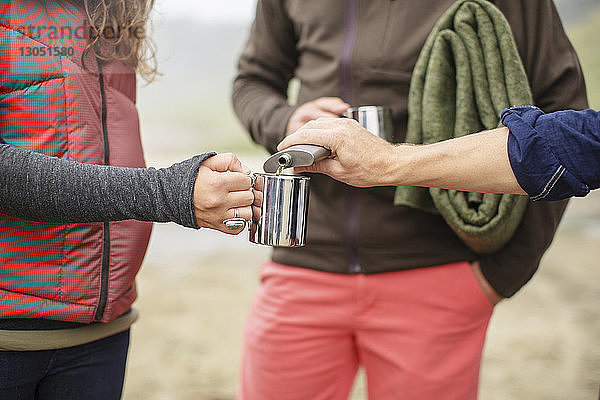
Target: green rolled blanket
(468, 71)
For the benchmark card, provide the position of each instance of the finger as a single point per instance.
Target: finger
(334, 105)
(233, 221)
(234, 181)
(318, 113)
(230, 230)
(240, 199)
(243, 212)
(327, 132)
(258, 197)
(237, 166)
(328, 123)
(245, 169)
(256, 213)
(331, 167)
(225, 162)
(309, 135)
(219, 162)
(328, 115)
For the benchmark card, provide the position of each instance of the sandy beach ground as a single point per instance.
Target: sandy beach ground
(196, 287)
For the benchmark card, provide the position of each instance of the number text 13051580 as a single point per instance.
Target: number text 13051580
(46, 51)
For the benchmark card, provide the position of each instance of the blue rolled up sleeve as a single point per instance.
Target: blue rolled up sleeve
(554, 156)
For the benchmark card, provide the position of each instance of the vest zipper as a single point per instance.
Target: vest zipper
(347, 89)
(106, 229)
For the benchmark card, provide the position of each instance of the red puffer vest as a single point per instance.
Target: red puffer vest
(51, 104)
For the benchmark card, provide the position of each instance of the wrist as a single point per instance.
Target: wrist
(398, 165)
(192, 221)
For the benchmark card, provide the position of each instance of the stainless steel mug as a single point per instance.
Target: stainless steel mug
(375, 119)
(280, 210)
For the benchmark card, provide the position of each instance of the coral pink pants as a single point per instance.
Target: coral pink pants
(418, 334)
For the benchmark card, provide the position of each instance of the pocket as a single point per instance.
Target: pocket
(33, 254)
(481, 285)
(35, 118)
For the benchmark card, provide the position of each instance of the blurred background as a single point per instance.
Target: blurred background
(196, 287)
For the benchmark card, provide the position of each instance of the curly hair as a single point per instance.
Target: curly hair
(119, 31)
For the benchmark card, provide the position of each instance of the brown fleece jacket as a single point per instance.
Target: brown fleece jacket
(364, 51)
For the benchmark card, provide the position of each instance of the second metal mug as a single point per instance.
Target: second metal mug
(280, 210)
(375, 119)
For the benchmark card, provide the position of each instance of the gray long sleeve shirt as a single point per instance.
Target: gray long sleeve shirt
(37, 187)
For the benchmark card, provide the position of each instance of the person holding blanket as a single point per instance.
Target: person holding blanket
(399, 281)
(72, 181)
(546, 156)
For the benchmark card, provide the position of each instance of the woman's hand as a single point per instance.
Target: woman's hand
(223, 185)
(324, 107)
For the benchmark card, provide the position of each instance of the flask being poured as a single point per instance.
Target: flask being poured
(300, 155)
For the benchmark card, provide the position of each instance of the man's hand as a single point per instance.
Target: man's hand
(324, 107)
(359, 158)
(222, 185)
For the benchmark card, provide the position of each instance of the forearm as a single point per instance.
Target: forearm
(47, 189)
(476, 163)
(265, 67)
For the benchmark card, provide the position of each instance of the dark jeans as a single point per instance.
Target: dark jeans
(92, 371)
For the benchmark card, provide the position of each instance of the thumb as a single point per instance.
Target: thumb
(226, 162)
(334, 105)
(327, 166)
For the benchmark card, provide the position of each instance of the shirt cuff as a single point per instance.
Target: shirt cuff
(537, 169)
